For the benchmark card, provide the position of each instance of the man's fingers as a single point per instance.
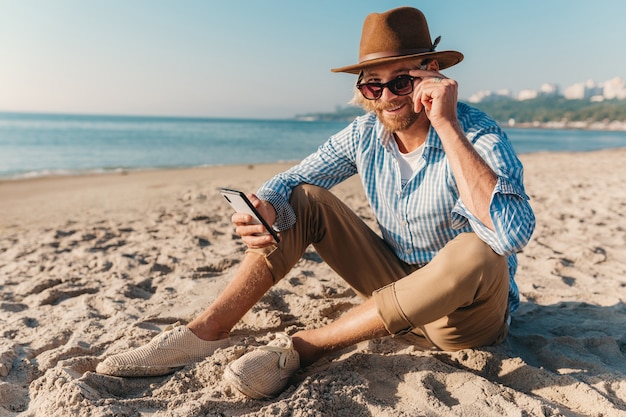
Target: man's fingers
(258, 241)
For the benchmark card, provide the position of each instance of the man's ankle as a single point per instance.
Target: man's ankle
(207, 332)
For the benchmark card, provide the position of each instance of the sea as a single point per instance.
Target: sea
(35, 145)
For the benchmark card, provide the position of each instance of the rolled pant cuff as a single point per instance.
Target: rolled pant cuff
(394, 319)
(273, 260)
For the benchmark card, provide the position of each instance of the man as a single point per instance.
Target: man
(447, 191)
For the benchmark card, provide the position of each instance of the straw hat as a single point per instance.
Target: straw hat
(396, 35)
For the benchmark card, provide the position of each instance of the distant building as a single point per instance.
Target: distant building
(614, 88)
(527, 95)
(575, 92)
(583, 91)
(482, 96)
(549, 90)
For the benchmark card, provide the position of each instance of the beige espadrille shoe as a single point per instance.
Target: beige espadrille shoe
(169, 351)
(265, 372)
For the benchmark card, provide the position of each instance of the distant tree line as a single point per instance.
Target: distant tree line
(551, 109)
(340, 114)
(541, 109)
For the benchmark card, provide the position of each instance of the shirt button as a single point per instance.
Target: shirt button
(405, 223)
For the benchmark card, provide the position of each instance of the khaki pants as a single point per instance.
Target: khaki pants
(459, 300)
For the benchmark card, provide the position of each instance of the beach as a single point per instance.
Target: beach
(94, 265)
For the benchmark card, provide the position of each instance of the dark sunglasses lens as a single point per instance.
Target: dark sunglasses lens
(371, 91)
(401, 86)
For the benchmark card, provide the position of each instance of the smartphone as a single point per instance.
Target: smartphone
(241, 204)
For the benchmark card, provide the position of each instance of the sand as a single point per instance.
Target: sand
(94, 265)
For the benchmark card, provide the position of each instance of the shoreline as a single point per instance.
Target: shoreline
(94, 265)
(63, 173)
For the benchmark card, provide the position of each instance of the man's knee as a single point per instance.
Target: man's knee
(305, 193)
(468, 246)
(311, 201)
(469, 262)
(467, 250)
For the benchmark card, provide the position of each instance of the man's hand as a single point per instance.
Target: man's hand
(437, 96)
(254, 235)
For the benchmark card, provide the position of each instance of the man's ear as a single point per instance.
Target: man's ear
(433, 65)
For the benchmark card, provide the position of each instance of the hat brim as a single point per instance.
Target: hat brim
(445, 59)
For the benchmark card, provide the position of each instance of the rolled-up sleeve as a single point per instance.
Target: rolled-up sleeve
(285, 216)
(510, 210)
(512, 217)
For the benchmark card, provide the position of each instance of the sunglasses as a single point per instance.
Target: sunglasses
(402, 85)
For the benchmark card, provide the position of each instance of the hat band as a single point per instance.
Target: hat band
(389, 54)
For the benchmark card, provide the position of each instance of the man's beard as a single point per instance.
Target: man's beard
(396, 123)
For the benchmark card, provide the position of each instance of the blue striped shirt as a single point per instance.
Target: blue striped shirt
(419, 218)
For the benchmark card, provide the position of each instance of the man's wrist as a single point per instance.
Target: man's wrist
(270, 211)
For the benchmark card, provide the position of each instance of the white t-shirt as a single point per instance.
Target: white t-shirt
(408, 162)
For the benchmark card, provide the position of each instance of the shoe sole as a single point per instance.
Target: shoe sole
(136, 372)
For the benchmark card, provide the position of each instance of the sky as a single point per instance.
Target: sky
(272, 58)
